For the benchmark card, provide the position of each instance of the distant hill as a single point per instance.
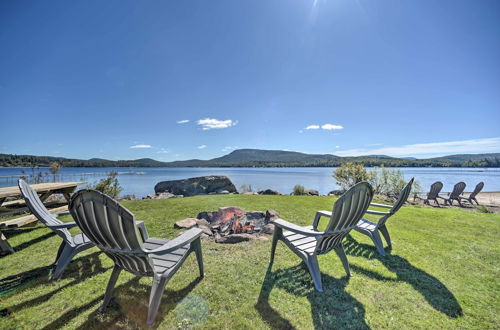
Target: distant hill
(263, 158)
(467, 157)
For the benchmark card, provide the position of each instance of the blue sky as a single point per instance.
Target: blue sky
(178, 80)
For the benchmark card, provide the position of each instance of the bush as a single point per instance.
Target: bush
(109, 186)
(385, 181)
(298, 190)
(348, 174)
(389, 182)
(246, 188)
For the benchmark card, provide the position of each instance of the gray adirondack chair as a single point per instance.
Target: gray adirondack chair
(308, 242)
(372, 229)
(458, 190)
(126, 241)
(434, 193)
(472, 196)
(71, 245)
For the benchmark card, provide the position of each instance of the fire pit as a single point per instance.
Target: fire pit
(232, 224)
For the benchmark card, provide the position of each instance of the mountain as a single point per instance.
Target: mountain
(263, 158)
(467, 157)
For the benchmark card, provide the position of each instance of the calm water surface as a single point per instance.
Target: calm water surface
(141, 181)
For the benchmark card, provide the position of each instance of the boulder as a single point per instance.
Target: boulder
(268, 229)
(186, 223)
(335, 193)
(128, 198)
(196, 186)
(234, 238)
(312, 192)
(164, 195)
(269, 192)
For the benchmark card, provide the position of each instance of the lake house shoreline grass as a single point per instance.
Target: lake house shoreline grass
(441, 273)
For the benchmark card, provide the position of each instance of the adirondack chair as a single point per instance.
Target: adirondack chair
(472, 196)
(71, 245)
(458, 190)
(434, 193)
(308, 242)
(372, 229)
(126, 241)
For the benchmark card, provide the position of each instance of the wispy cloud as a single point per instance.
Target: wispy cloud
(141, 146)
(313, 127)
(328, 127)
(162, 151)
(184, 121)
(229, 148)
(203, 146)
(443, 148)
(211, 123)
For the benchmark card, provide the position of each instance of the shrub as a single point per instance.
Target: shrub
(348, 174)
(54, 168)
(109, 186)
(390, 182)
(246, 188)
(299, 190)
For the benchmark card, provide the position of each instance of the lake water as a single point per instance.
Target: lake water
(141, 181)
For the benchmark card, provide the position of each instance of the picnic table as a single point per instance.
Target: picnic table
(44, 189)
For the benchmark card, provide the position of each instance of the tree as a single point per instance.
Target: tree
(109, 186)
(348, 174)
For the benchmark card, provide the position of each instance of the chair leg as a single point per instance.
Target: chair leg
(199, 256)
(386, 235)
(61, 248)
(375, 236)
(159, 283)
(67, 253)
(341, 253)
(313, 266)
(110, 287)
(276, 234)
(475, 201)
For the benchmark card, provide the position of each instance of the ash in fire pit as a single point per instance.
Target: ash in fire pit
(232, 224)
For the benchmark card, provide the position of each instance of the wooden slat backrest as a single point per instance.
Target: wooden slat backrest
(477, 190)
(39, 210)
(347, 211)
(112, 228)
(403, 196)
(458, 189)
(435, 190)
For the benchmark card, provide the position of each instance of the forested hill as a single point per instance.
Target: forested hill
(262, 158)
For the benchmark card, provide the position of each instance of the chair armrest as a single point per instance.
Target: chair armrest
(186, 238)
(318, 216)
(142, 229)
(296, 229)
(377, 212)
(63, 225)
(381, 205)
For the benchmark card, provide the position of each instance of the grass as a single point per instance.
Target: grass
(441, 273)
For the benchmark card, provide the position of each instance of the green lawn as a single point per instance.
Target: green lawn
(442, 273)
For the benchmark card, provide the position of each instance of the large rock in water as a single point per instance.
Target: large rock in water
(196, 186)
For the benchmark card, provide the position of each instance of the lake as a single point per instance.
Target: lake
(141, 181)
